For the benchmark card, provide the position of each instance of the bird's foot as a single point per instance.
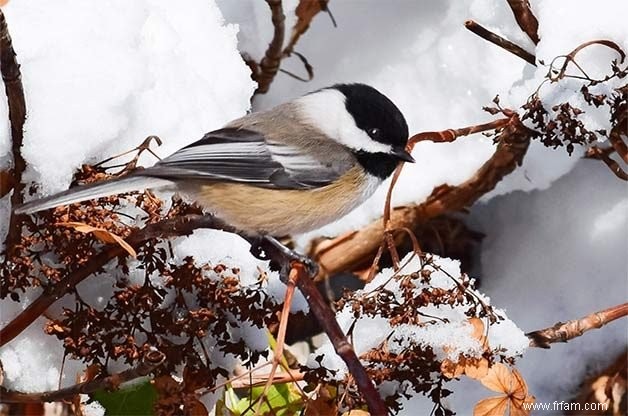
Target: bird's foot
(269, 248)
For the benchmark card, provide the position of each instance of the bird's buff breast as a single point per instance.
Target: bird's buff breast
(282, 212)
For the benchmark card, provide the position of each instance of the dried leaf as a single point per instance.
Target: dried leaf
(493, 406)
(324, 404)
(514, 389)
(91, 372)
(477, 370)
(356, 412)
(101, 234)
(196, 408)
(498, 379)
(474, 367)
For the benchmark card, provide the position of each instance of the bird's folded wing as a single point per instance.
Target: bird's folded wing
(245, 156)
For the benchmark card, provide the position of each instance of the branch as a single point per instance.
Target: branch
(354, 250)
(17, 115)
(500, 41)
(171, 227)
(305, 12)
(565, 331)
(525, 18)
(327, 319)
(147, 365)
(604, 155)
(269, 66)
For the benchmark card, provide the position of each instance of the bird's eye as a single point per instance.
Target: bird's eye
(374, 133)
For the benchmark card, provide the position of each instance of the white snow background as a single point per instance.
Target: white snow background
(99, 77)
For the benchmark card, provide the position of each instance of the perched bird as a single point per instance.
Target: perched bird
(287, 170)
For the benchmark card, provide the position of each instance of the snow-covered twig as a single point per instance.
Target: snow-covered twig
(500, 41)
(150, 361)
(565, 331)
(12, 79)
(525, 18)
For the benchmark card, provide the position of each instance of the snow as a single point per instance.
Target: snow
(448, 340)
(95, 90)
(98, 80)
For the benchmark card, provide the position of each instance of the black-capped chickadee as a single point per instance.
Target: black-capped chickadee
(287, 170)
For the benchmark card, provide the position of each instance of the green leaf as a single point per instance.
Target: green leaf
(281, 400)
(135, 400)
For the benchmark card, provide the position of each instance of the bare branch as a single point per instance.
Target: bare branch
(327, 319)
(565, 331)
(17, 115)
(500, 41)
(305, 12)
(148, 364)
(604, 155)
(525, 18)
(269, 66)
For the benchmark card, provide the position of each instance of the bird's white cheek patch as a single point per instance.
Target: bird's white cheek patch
(326, 111)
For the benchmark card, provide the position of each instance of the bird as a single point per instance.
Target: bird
(287, 170)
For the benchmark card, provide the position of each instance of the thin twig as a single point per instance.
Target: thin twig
(500, 41)
(148, 364)
(343, 348)
(177, 226)
(356, 250)
(17, 115)
(281, 335)
(604, 155)
(269, 66)
(525, 18)
(565, 331)
(305, 12)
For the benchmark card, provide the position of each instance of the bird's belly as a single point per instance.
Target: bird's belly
(282, 212)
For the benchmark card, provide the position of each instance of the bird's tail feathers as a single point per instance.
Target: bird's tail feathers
(92, 191)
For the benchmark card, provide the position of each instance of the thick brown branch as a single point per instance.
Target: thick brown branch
(17, 115)
(565, 331)
(269, 66)
(500, 41)
(177, 226)
(148, 364)
(356, 250)
(525, 18)
(327, 319)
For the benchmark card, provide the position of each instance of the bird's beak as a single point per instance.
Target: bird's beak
(403, 154)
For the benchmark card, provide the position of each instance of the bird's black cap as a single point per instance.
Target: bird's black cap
(373, 110)
(380, 118)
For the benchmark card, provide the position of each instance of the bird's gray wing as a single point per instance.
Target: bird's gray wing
(245, 156)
